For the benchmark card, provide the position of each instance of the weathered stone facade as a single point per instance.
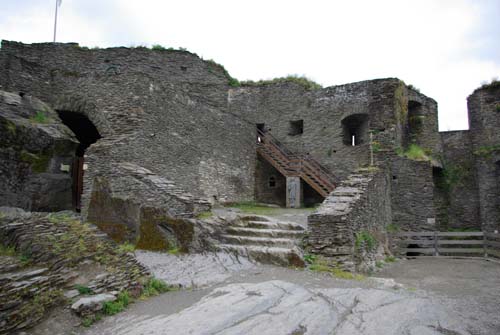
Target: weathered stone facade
(172, 136)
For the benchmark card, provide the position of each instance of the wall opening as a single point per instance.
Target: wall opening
(415, 121)
(311, 196)
(355, 129)
(87, 134)
(296, 128)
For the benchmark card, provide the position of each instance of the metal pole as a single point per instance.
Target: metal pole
(55, 21)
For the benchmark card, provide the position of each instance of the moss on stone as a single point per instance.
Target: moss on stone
(118, 232)
(39, 162)
(150, 236)
(183, 230)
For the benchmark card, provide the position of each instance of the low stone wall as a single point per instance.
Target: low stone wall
(50, 254)
(349, 226)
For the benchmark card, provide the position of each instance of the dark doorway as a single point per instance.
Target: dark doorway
(311, 197)
(87, 134)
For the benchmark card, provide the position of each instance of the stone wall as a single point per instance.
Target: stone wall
(322, 112)
(349, 227)
(484, 122)
(164, 110)
(412, 194)
(457, 187)
(265, 190)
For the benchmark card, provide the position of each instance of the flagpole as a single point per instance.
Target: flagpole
(55, 21)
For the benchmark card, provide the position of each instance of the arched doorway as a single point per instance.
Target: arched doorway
(87, 134)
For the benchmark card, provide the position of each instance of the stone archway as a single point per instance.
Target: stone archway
(87, 134)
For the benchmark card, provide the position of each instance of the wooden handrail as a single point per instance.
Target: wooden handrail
(291, 164)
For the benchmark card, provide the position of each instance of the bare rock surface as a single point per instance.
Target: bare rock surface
(193, 270)
(92, 304)
(279, 307)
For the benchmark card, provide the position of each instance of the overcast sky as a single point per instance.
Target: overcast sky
(446, 48)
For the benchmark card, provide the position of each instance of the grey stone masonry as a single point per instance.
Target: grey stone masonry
(361, 204)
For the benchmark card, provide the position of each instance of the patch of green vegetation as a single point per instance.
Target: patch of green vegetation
(174, 251)
(379, 264)
(390, 259)
(158, 47)
(117, 306)
(11, 127)
(7, 250)
(25, 258)
(205, 215)
(59, 217)
(305, 82)
(366, 239)
(321, 265)
(83, 289)
(40, 117)
(487, 151)
(376, 146)
(126, 247)
(233, 82)
(41, 302)
(154, 287)
(253, 207)
(451, 176)
(310, 258)
(493, 84)
(414, 152)
(497, 108)
(87, 322)
(411, 87)
(38, 162)
(392, 228)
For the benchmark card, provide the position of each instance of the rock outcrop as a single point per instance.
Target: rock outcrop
(282, 308)
(50, 254)
(34, 144)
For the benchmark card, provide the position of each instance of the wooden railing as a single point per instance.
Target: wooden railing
(295, 165)
(451, 244)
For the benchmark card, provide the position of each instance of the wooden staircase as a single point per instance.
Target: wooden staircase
(290, 164)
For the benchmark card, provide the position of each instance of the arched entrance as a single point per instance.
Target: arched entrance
(87, 134)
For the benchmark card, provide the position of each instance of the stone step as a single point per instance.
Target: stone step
(283, 233)
(272, 225)
(267, 255)
(259, 241)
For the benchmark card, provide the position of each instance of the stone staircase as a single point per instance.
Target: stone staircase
(264, 240)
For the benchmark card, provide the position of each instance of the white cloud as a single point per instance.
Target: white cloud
(426, 43)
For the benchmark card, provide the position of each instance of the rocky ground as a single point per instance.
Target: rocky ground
(435, 296)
